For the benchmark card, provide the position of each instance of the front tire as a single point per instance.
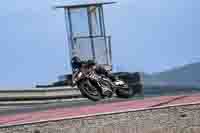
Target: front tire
(89, 91)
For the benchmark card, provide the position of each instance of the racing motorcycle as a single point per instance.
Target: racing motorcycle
(97, 86)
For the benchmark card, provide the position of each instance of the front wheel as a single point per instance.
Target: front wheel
(125, 92)
(89, 91)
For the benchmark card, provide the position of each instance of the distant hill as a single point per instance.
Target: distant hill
(183, 79)
(185, 75)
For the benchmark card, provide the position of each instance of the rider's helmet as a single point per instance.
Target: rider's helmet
(75, 62)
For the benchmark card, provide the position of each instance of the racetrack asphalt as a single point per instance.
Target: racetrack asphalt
(7, 110)
(26, 108)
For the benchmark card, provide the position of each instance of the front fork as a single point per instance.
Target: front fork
(106, 88)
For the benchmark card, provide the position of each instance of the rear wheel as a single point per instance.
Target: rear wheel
(125, 92)
(89, 91)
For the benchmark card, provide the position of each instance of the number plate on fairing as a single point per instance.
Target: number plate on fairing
(94, 76)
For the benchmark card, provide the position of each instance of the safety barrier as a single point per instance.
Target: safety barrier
(65, 92)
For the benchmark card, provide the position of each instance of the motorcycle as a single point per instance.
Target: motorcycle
(96, 87)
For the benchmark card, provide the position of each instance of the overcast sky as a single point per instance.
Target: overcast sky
(149, 36)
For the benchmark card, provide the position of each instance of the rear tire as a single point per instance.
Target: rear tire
(125, 92)
(89, 91)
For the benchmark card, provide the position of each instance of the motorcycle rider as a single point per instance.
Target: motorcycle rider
(99, 69)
